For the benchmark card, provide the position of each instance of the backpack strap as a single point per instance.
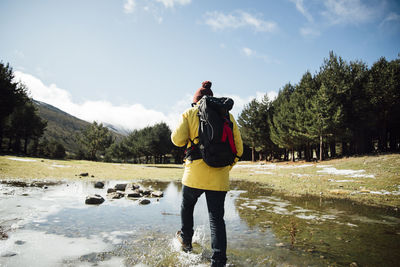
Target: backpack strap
(193, 152)
(227, 133)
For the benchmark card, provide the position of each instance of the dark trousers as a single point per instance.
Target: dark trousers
(216, 210)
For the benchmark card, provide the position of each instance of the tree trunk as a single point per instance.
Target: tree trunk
(1, 140)
(26, 145)
(307, 152)
(345, 150)
(392, 141)
(382, 144)
(321, 148)
(292, 154)
(253, 154)
(332, 148)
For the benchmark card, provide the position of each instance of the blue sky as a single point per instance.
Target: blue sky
(136, 62)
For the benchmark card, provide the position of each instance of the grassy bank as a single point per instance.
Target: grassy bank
(373, 180)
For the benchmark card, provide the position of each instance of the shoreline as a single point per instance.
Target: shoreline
(367, 180)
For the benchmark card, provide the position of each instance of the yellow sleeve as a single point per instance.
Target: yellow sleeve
(180, 135)
(238, 138)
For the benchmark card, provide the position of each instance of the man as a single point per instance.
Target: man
(200, 178)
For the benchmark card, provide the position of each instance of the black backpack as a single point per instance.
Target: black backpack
(216, 144)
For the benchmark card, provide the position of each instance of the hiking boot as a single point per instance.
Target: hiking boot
(186, 246)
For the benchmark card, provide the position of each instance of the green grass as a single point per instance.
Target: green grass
(293, 179)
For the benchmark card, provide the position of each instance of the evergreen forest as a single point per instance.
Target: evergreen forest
(344, 109)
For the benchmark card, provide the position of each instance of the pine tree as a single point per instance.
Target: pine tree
(283, 119)
(327, 116)
(249, 125)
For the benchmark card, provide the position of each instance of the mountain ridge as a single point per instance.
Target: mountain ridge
(63, 127)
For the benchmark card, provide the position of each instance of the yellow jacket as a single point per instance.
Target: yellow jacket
(197, 173)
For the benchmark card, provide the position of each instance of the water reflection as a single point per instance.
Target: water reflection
(49, 225)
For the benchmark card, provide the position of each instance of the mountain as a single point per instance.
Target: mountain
(63, 127)
(118, 129)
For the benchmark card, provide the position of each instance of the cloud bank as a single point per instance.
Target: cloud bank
(348, 11)
(238, 19)
(129, 117)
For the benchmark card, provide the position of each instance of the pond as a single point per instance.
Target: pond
(49, 224)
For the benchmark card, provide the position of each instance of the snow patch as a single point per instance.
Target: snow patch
(60, 166)
(350, 173)
(24, 160)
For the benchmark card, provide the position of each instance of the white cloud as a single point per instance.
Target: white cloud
(135, 116)
(309, 32)
(300, 7)
(348, 11)
(392, 17)
(129, 6)
(131, 117)
(172, 3)
(238, 19)
(247, 51)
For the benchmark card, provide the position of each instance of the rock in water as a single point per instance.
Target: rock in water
(116, 195)
(157, 194)
(99, 185)
(144, 201)
(135, 193)
(84, 174)
(8, 254)
(94, 200)
(135, 186)
(111, 190)
(120, 187)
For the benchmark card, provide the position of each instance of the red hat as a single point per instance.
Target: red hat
(205, 89)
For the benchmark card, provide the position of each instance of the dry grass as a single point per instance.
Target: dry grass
(298, 178)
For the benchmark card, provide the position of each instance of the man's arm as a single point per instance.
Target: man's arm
(180, 135)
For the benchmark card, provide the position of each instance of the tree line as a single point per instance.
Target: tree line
(20, 125)
(148, 145)
(344, 109)
(22, 129)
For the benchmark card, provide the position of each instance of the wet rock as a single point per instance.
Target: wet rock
(111, 190)
(3, 234)
(99, 185)
(353, 264)
(84, 174)
(145, 192)
(8, 254)
(144, 201)
(279, 245)
(135, 186)
(94, 200)
(92, 176)
(157, 194)
(25, 194)
(116, 195)
(135, 193)
(95, 257)
(19, 242)
(120, 187)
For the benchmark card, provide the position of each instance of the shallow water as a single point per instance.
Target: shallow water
(48, 224)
